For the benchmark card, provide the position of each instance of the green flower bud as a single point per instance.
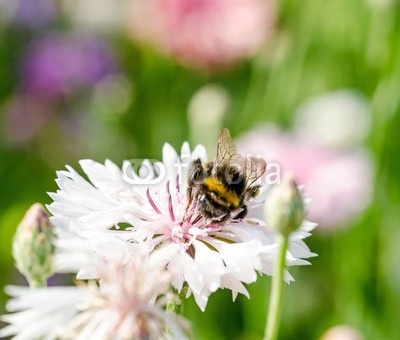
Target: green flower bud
(33, 246)
(284, 208)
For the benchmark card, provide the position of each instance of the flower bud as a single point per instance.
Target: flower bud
(33, 246)
(284, 209)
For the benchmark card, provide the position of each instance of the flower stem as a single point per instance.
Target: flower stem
(175, 304)
(37, 282)
(274, 312)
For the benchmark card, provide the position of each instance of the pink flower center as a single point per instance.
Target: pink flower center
(181, 223)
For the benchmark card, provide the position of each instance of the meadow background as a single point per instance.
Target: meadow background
(128, 98)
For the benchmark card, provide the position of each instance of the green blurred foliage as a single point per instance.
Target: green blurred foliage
(319, 46)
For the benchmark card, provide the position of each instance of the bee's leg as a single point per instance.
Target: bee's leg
(241, 213)
(221, 219)
(251, 192)
(189, 197)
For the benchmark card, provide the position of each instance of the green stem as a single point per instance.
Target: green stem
(274, 312)
(37, 282)
(175, 305)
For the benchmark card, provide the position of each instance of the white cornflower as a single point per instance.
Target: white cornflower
(206, 255)
(124, 304)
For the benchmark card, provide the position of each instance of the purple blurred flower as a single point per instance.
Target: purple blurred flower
(204, 33)
(34, 13)
(340, 182)
(57, 65)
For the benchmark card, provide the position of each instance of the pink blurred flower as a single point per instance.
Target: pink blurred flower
(340, 182)
(126, 301)
(203, 33)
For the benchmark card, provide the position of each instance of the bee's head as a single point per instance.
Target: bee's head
(196, 172)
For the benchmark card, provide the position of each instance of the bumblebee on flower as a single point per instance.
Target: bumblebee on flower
(215, 232)
(201, 225)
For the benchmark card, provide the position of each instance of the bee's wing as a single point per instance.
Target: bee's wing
(226, 150)
(254, 169)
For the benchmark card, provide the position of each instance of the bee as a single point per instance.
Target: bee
(221, 188)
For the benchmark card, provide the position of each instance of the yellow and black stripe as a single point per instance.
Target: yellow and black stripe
(222, 194)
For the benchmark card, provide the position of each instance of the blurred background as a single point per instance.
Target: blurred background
(311, 85)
